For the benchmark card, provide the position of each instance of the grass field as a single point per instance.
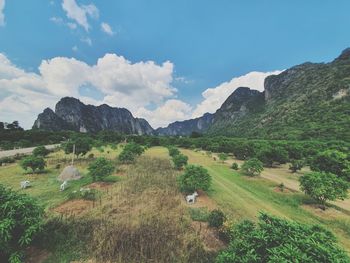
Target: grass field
(242, 197)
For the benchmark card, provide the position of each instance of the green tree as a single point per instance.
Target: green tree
(223, 157)
(194, 178)
(332, 161)
(100, 168)
(40, 151)
(130, 152)
(252, 167)
(216, 218)
(235, 166)
(82, 146)
(277, 240)
(20, 220)
(269, 155)
(35, 163)
(134, 148)
(180, 161)
(173, 151)
(296, 165)
(323, 187)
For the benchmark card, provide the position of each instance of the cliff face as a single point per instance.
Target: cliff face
(185, 128)
(72, 114)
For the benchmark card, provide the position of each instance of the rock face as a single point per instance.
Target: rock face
(72, 114)
(185, 128)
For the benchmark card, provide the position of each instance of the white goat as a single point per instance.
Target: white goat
(191, 198)
(25, 184)
(63, 185)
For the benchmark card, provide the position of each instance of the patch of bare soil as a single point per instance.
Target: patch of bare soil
(36, 255)
(284, 191)
(202, 200)
(208, 235)
(74, 207)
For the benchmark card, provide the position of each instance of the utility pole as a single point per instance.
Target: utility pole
(73, 154)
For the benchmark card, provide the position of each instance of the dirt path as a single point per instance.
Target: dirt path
(24, 150)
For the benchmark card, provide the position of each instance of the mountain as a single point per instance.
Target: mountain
(72, 114)
(311, 100)
(185, 128)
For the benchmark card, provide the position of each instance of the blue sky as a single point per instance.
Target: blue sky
(181, 58)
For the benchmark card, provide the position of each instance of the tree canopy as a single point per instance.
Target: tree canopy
(194, 178)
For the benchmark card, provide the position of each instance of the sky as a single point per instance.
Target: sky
(163, 60)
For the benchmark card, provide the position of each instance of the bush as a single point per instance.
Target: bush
(40, 151)
(199, 214)
(324, 186)
(173, 151)
(7, 160)
(296, 165)
(20, 220)
(278, 240)
(130, 152)
(35, 163)
(332, 161)
(223, 157)
(194, 178)
(100, 168)
(82, 146)
(180, 161)
(235, 166)
(252, 167)
(216, 218)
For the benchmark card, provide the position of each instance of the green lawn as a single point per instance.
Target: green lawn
(242, 197)
(45, 186)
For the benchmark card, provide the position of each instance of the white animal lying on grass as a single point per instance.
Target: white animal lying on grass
(25, 184)
(63, 185)
(191, 198)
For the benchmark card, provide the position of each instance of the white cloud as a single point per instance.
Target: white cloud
(170, 111)
(122, 83)
(2, 15)
(72, 25)
(86, 40)
(215, 97)
(75, 48)
(56, 20)
(80, 13)
(107, 29)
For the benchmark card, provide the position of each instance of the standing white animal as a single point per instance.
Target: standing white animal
(191, 198)
(63, 185)
(25, 184)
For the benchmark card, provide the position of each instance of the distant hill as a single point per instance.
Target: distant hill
(72, 114)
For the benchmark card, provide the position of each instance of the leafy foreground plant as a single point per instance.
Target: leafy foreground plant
(278, 240)
(194, 178)
(20, 220)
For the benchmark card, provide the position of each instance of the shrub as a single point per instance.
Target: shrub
(194, 178)
(199, 214)
(216, 218)
(235, 166)
(40, 151)
(82, 146)
(252, 167)
(7, 160)
(323, 186)
(100, 168)
(20, 220)
(35, 163)
(278, 240)
(173, 151)
(331, 161)
(91, 156)
(296, 165)
(180, 161)
(130, 152)
(223, 157)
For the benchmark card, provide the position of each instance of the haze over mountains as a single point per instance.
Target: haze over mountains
(310, 100)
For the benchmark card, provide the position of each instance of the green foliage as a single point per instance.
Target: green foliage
(20, 220)
(35, 163)
(323, 186)
(296, 165)
(7, 160)
(130, 152)
(82, 146)
(40, 151)
(216, 218)
(194, 178)
(278, 240)
(200, 214)
(332, 161)
(223, 156)
(235, 166)
(180, 160)
(100, 168)
(269, 155)
(252, 167)
(173, 151)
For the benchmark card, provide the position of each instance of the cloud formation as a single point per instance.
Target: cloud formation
(80, 13)
(106, 28)
(2, 15)
(122, 84)
(215, 97)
